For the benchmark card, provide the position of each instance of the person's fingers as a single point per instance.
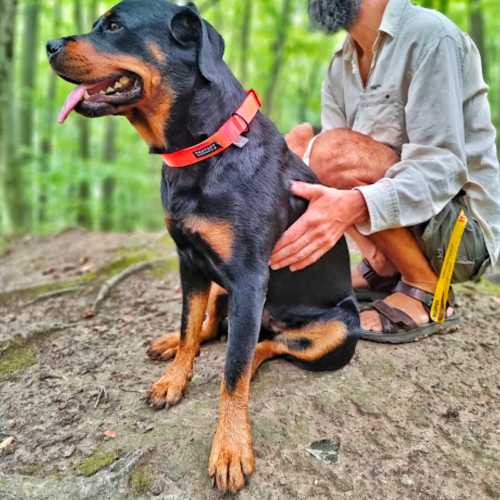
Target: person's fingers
(311, 259)
(287, 251)
(299, 256)
(327, 243)
(292, 234)
(305, 190)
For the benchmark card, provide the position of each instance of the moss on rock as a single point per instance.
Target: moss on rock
(97, 461)
(15, 356)
(140, 479)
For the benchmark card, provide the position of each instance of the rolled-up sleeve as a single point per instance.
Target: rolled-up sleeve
(332, 115)
(432, 169)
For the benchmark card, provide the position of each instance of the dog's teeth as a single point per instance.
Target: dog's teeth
(124, 80)
(102, 92)
(110, 89)
(118, 85)
(86, 95)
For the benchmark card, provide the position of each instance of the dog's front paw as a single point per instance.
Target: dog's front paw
(165, 347)
(231, 460)
(169, 389)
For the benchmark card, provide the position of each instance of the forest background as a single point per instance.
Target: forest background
(97, 174)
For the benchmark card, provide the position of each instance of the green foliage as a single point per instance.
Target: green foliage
(54, 168)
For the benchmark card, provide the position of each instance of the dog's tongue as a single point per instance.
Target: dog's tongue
(74, 97)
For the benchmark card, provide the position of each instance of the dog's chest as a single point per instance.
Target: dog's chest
(197, 220)
(203, 233)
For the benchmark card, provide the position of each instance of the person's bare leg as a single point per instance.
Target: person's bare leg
(400, 246)
(380, 263)
(344, 159)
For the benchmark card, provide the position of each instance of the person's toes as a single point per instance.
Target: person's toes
(376, 325)
(370, 321)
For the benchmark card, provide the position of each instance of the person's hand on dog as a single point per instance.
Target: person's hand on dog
(330, 213)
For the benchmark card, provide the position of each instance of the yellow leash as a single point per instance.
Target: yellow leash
(438, 309)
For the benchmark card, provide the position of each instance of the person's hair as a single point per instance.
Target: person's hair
(333, 15)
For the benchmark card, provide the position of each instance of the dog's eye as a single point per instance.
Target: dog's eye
(114, 26)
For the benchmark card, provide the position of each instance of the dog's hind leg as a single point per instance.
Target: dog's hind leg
(169, 389)
(328, 344)
(166, 347)
(307, 344)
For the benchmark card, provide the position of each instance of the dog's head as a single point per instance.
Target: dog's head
(140, 56)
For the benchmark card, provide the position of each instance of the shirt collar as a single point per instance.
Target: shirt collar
(392, 16)
(347, 48)
(390, 25)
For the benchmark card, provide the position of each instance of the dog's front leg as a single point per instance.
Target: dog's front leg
(195, 287)
(232, 456)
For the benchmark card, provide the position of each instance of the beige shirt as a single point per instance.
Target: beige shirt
(425, 98)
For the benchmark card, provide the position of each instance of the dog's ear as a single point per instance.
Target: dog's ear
(187, 26)
(192, 6)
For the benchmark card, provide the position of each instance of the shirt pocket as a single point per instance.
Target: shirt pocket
(380, 115)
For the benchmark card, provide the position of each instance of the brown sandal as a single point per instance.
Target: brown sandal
(398, 327)
(379, 287)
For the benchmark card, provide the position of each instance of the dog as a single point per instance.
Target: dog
(161, 66)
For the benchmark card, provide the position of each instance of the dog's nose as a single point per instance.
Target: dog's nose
(54, 46)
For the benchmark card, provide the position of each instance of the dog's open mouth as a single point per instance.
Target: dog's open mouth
(103, 98)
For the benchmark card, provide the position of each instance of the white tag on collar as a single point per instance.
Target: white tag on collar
(241, 142)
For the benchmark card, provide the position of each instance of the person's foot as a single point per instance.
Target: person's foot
(385, 268)
(371, 322)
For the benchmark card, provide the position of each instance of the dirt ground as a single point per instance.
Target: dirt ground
(417, 421)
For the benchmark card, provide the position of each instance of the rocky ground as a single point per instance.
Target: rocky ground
(417, 421)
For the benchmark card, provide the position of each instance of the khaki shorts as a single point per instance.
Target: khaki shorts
(433, 238)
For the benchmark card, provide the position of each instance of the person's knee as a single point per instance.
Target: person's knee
(299, 137)
(329, 159)
(344, 159)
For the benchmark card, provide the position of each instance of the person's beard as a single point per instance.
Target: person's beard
(333, 15)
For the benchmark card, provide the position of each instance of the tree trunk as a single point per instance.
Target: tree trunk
(477, 32)
(48, 129)
(245, 39)
(19, 180)
(108, 185)
(443, 6)
(83, 215)
(94, 10)
(278, 50)
(307, 91)
(7, 170)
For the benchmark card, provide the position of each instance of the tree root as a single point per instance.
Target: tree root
(50, 295)
(117, 278)
(37, 330)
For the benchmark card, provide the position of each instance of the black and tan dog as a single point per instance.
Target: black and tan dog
(160, 65)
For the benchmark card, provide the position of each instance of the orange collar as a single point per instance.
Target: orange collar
(227, 135)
